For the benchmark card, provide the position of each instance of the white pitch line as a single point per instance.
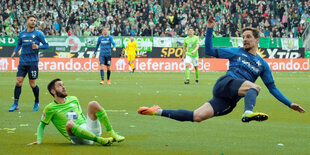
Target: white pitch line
(115, 110)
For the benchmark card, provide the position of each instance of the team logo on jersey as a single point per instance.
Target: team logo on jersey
(43, 116)
(190, 44)
(33, 36)
(258, 63)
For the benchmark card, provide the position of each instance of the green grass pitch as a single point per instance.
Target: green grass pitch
(286, 132)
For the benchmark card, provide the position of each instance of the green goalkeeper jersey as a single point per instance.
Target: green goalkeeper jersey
(191, 43)
(57, 114)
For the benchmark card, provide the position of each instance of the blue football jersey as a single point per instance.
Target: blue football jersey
(29, 56)
(105, 45)
(244, 65)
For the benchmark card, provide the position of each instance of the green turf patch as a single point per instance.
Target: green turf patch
(286, 132)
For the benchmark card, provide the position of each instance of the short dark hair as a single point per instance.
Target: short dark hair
(51, 85)
(255, 31)
(31, 16)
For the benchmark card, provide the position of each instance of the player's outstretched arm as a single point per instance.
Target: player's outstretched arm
(40, 133)
(298, 108)
(225, 53)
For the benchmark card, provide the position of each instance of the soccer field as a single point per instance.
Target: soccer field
(286, 131)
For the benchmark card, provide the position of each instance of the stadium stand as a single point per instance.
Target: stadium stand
(277, 18)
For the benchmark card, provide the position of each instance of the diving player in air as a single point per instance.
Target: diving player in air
(245, 65)
(29, 43)
(105, 42)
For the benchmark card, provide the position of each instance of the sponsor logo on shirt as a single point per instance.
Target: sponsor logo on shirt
(249, 65)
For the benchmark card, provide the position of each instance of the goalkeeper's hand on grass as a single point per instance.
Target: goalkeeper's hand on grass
(34, 143)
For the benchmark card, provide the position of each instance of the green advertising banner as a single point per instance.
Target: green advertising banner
(76, 44)
(143, 43)
(8, 41)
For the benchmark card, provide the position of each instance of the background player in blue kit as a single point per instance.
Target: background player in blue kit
(105, 42)
(29, 42)
(245, 65)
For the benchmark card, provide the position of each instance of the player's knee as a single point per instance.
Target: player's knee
(93, 105)
(19, 82)
(70, 124)
(257, 87)
(198, 118)
(32, 85)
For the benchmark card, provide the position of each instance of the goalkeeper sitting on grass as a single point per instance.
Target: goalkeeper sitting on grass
(77, 128)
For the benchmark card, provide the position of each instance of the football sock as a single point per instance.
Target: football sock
(180, 115)
(108, 74)
(83, 133)
(103, 118)
(102, 74)
(187, 73)
(17, 91)
(132, 66)
(36, 93)
(250, 99)
(197, 73)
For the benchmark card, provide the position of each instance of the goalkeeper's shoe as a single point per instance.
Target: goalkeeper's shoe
(257, 116)
(14, 107)
(148, 111)
(116, 137)
(105, 141)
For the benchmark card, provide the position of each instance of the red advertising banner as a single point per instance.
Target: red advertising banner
(148, 64)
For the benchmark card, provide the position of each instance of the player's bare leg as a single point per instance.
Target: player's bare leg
(17, 92)
(95, 111)
(250, 91)
(204, 112)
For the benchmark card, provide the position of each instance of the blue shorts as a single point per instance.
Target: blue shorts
(32, 70)
(105, 60)
(225, 95)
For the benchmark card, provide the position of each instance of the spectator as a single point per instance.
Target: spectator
(63, 32)
(87, 32)
(56, 25)
(285, 16)
(78, 31)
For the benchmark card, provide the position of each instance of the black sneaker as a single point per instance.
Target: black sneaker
(133, 70)
(186, 82)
